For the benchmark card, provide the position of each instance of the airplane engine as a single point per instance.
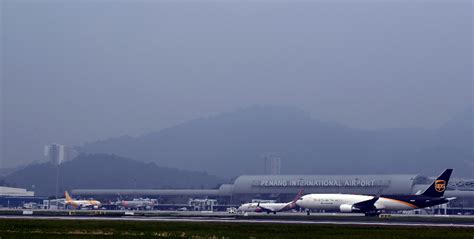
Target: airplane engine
(347, 208)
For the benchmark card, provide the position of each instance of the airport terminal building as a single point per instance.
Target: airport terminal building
(284, 188)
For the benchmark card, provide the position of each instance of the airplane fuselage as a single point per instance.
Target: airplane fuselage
(137, 204)
(344, 202)
(84, 203)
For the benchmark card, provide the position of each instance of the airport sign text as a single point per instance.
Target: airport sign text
(317, 183)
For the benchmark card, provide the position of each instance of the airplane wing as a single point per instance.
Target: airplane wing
(268, 208)
(85, 205)
(265, 209)
(88, 205)
(368, 205)
(272, 207)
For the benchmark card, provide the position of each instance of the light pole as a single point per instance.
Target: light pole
(57, 181)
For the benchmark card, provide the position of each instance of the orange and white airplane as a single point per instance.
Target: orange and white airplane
(78, 204)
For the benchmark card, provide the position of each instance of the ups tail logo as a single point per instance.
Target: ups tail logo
(440, 185)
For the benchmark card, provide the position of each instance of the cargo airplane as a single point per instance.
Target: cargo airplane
(372, 205)
(78, 204)
(269, 207)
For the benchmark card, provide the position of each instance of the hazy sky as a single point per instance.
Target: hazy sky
(76, 71)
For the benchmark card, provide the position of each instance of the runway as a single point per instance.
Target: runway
(233, 219)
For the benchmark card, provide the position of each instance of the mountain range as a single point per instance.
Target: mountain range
(234, 143)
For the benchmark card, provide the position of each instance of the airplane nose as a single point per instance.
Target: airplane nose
(300, 202)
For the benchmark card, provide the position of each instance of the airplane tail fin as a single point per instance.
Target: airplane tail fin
(292, 204)
(298, 196)
(439, 185)
(68, 198)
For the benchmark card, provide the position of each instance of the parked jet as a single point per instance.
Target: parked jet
(78, 204)
(138, 204)
(372, 205)
(269, 207)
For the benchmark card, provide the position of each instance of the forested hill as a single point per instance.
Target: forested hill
(106, 171)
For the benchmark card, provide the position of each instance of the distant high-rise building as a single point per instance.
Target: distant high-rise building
(54, 153)
(272, 164)
(57, 153)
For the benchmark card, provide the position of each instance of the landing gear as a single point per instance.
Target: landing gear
(308, 212)
(372, 214)
(274, 213)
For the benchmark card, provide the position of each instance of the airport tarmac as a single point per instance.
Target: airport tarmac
(283, 218)
(222, 213)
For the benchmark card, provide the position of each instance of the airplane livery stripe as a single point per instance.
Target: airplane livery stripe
(402, 202)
